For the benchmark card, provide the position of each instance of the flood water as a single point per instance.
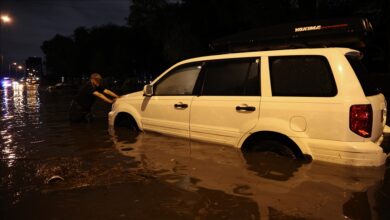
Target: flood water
(52, 169)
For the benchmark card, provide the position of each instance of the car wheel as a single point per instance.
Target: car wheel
(127, 123)
(273, 146)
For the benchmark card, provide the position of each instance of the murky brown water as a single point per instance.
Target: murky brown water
(116, 174)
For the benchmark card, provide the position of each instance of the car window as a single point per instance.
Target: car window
(180, 81)
(301, 76)
(233, 77)
(368, 83)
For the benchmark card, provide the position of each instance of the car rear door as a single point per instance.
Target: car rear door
(228, 102)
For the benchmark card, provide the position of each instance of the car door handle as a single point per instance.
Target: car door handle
(246, 108)
(181, 106)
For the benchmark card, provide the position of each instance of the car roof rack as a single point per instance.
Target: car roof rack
(346, 32)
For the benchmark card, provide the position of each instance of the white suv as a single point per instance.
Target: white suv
(294, 102)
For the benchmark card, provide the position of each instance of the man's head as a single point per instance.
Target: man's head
(96, 79)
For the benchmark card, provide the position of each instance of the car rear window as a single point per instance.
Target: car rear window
(366, 81)
(301, 76)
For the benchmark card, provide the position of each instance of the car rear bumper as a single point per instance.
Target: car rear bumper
(348, 153)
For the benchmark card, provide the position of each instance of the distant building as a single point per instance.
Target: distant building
(34, 66)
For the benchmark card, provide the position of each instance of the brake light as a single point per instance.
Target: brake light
(360, 120)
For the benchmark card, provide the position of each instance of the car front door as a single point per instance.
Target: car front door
(228, 102)
(168, 109)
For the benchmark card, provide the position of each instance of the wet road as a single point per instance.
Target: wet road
(117, 174)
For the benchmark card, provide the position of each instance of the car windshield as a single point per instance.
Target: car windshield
(367, 82)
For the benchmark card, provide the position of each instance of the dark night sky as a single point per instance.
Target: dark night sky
(35, 21)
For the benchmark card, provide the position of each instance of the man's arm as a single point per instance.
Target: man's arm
(111, 93)
(103, 97)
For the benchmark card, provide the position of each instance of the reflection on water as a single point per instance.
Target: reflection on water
(272, 166)
(124, 175)
(19, 108)
(281, 187)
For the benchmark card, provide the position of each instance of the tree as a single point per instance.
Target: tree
(162, 32)
(60, 52)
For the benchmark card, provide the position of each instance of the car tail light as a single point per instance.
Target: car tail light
(360, 120)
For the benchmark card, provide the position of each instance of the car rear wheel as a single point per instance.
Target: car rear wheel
(273, 146)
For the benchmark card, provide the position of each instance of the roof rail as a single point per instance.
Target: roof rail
(346, 32)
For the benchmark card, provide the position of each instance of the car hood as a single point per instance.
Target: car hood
(133, 95)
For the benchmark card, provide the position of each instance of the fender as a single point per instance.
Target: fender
(131, 111)
(281, 127)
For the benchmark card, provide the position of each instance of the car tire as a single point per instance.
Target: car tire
(273, 146)
(127, 123)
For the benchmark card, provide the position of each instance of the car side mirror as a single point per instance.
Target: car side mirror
(148, 90)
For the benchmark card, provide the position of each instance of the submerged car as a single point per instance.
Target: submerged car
(293, 102)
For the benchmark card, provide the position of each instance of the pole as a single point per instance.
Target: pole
(1, 40)
(3, 19)
(1, 52)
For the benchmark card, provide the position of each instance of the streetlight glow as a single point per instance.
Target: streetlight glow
(3, 19)
(6, 18)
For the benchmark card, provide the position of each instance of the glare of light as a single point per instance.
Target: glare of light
(6, 83)
(9, 155)
(20, 67)
(6, 18)
(17, 86)
(8, 152)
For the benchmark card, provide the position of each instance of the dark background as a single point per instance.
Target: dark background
(158, 33)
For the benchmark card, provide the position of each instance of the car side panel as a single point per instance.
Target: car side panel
(215, 118)
(160, 115)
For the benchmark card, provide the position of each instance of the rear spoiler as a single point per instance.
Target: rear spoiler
(349, 32)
